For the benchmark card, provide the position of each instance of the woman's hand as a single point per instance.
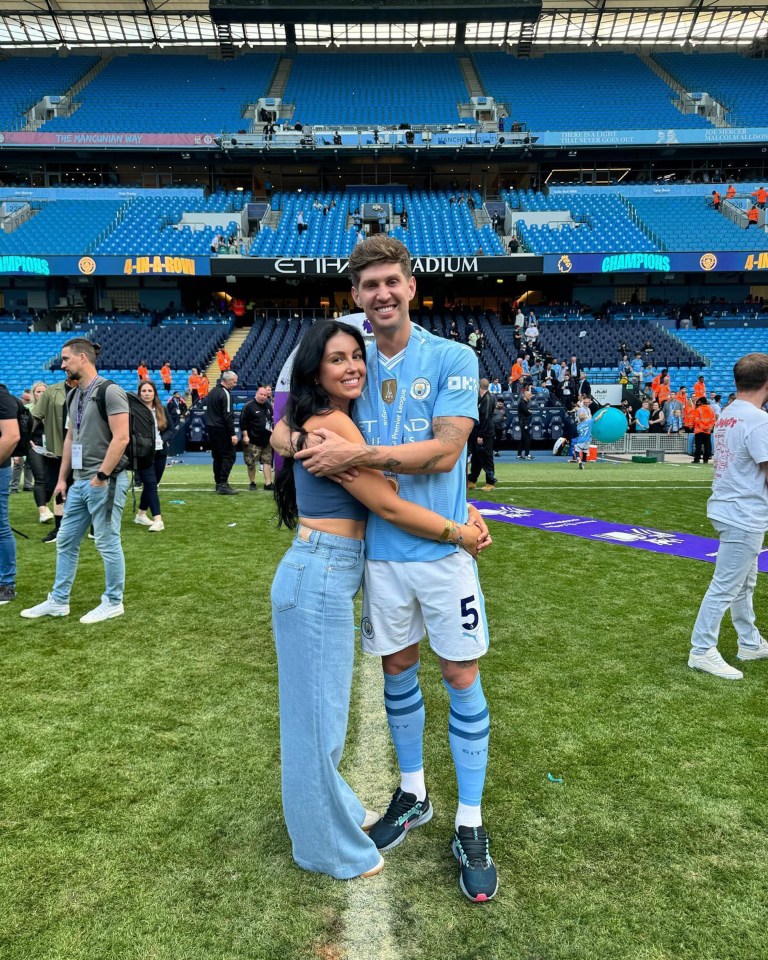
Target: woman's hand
(470, 537)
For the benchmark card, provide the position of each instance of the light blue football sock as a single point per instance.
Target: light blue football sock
(405, 714)
(468, 733)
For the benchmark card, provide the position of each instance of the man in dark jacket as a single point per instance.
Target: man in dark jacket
(525, 416)
(220, 420)
(481, 440)
(256, 429)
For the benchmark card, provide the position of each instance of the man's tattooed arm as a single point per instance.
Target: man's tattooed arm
(437, 455)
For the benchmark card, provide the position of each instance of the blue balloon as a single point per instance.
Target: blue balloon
(609, 425)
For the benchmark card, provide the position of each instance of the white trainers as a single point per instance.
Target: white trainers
(712, 662)
(142, 519)
(371, 819)
(754, 653)
(46, 516)
(104, 611)
(156, 526)
(48, 608)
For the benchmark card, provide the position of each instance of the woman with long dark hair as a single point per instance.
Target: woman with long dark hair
(312, 604)
(152, 475)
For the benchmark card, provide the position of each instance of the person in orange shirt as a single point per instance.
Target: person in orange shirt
(657, 381)
(224, 360)
(703, 424)
(165, 376)
(204, 386)
(688, 411)
(753, 216)
(716, 199)
(730, 193)
(682, 395)
(516, 374)
(194, 386)
(664, 392)
(142, 372)
(760, 195)
(699, 388)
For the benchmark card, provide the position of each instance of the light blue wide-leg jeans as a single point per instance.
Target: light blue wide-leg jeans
(732, 586)
(313, 621)
(7, 541)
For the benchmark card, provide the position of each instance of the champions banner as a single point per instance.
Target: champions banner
(719, 261)
(130, 266)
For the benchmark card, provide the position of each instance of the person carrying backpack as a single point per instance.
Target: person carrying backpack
(95, 450)
(10, 434)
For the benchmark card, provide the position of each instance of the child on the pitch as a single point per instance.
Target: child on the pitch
(584, 437)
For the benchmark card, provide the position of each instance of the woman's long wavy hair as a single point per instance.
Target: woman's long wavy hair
(307, 399)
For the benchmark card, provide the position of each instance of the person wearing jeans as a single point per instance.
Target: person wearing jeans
(94, 451)
(738, 510)
(9, 437)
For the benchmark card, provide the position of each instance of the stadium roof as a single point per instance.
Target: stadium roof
(75, 24)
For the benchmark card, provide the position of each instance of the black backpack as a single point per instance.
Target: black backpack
(141, 427)
(25, 421)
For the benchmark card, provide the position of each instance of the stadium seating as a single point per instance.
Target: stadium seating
(739, 83)
(266, 348)
(687, 223)
(162, 93)
(26, 357)
(24, 81)
(722, 348)
(375, 88)
(63, 227)
(552, 93)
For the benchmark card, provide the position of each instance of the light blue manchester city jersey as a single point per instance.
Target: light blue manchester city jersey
(445, 385)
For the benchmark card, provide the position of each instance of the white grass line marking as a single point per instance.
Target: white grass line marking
(368, 918)
(596, 486)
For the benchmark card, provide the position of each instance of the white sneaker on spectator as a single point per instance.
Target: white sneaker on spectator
(104, 611)
(46, 516)
(712, 662)
(142, 519)
(48, 608)
(754, 653)
(156, 526)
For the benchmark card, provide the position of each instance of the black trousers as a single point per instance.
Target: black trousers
(36, 463)
(524, 445)
(150, 478)
(702, 447)
(224, 456)
(481, 458)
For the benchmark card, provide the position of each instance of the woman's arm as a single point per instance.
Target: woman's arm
(373, 490)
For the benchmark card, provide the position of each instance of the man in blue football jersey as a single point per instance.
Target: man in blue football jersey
(416, 414)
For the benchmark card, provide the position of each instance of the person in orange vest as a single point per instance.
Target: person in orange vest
(716, 199)
(682, 395)
(753, 216)
(688, 411)
(664, 392)
(760, 195)
(165, 376)
(194, 386)
(142, 372)
(224, 360)
(516, 374)
(204, 386)
(699, 388)
(730, 193)
(657, 381)
(703, 424)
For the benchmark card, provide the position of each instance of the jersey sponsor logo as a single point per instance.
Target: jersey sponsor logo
(366, 628)
(462, 383)
(388, 390)
(421, 388)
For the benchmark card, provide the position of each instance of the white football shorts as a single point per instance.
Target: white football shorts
(443, 597)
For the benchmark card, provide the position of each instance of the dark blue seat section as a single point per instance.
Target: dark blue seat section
(24, 81)
(264, 351)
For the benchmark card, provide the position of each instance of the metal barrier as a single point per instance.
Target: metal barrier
(641, 442)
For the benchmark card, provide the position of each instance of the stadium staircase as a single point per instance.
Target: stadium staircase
(684, 103)
(231, 345)
(471, 79)
(37, 115)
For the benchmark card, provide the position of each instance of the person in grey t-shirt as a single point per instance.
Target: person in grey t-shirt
(94, 450)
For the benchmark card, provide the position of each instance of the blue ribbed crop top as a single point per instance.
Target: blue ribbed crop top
(321, 497)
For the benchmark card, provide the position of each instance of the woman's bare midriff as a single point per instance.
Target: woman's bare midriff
(353, 529)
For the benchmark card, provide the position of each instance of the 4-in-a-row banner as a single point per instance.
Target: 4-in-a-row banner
(742, 261)
(141, 266)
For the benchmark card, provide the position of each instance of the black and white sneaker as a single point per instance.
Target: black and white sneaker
(404, 814)
(7, 593)
(51, 538)
(478, 879)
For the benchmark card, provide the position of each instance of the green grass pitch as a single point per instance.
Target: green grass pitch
(140, 813)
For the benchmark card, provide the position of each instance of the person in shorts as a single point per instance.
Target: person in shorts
(416, 414)
(256, 430)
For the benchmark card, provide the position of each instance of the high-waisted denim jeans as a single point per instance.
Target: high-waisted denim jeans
(7, 541)
(86, 505)
(732, 587)
(313, 621)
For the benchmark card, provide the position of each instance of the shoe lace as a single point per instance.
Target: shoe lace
(398, 808)
(475, 848)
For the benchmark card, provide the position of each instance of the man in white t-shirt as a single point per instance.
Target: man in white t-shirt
(738, 509)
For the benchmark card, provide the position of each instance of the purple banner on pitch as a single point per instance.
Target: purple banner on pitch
(602, 531)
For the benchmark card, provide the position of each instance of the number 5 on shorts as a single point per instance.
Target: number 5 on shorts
(469, 611)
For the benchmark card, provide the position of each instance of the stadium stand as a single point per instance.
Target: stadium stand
(687, 223)
(168, 94)
(24, 81)
(63, 226)
(26, 357)
(266, 348)
(376, 88)
(739, 83)
(547, 93)
(722, 347)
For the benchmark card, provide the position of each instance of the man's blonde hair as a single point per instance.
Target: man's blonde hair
(377, 249)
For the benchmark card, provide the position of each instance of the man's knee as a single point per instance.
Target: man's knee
(459, 674)
(394, 663)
